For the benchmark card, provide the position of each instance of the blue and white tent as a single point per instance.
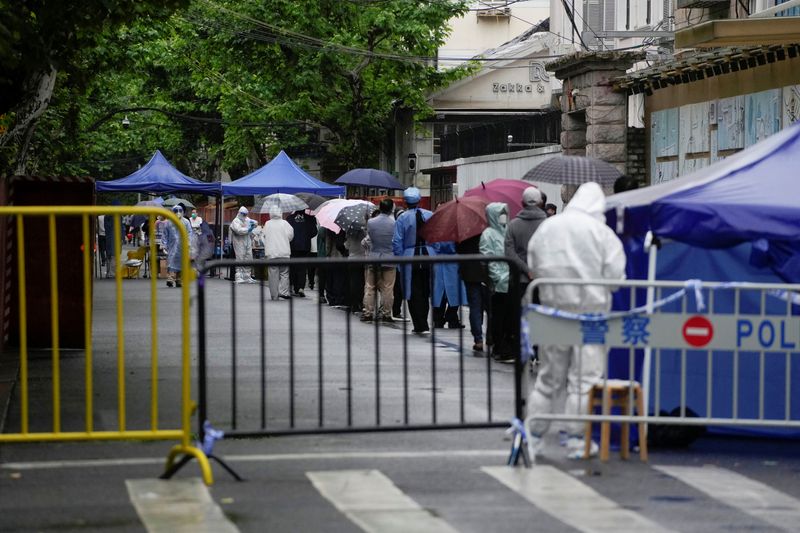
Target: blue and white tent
(159, 176)
(280, 175)
(736, 220)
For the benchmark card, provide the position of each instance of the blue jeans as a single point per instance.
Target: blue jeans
(475, 301)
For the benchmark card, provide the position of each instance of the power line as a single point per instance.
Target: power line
(571, 17)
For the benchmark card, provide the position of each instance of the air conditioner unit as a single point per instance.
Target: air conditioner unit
(497, 8)
(694, 4)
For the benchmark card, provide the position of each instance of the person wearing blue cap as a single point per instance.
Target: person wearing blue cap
(408, 241)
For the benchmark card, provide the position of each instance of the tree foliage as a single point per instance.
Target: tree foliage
(219, 84)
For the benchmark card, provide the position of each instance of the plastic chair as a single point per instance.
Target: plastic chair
(136, 258)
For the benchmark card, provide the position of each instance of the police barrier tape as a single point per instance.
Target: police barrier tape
(181, 430)
(750, 335)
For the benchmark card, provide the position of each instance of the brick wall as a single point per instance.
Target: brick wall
(636, 164)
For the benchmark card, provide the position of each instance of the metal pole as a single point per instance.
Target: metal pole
(651, 277)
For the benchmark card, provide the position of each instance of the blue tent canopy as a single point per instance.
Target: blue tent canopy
(158, 176)
(748, 196)
(280, 175)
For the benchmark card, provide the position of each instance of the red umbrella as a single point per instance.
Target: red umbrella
(457, 220)
(508, 191)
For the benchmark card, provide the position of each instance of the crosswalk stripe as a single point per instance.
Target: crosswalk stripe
(177, 506)
(735, 490)
(570, 501)
(374, 503)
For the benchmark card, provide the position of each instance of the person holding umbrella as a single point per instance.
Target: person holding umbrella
(277, 236)
(380, 230)
(408, 241)
(305, 229)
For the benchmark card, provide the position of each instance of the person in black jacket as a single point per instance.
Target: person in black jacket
(305, 229)
(521, 229)
(475, 277)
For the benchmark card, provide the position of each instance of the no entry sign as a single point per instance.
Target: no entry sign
(698, 331)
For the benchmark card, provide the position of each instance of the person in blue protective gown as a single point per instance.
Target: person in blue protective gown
(408, 241)
(448, 290)
(172, 242)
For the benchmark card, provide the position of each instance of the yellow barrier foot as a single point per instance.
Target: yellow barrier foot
(188, 452)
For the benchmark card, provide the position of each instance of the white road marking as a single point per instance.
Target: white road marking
(735, 490)
(570, 501)
(177, 506)
(135, 461)
(374, 503)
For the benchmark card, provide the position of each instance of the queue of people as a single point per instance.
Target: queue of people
(575, 244)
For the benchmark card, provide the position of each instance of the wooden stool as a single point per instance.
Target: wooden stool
(617, 394)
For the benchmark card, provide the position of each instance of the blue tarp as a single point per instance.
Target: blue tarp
(158, 176)
(280, 175)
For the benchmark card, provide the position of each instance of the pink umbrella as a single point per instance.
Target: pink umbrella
(500, 190)
(326, 213)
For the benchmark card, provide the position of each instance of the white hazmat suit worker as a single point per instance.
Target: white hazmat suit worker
(575, 244)
(239, 234)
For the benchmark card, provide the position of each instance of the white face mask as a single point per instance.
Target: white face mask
(502, 219)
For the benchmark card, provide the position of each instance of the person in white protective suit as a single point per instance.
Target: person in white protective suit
(239, 234)
(574, 244)
(277, 235)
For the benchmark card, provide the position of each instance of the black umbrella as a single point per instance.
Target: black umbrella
(353, 219)
(370, 177)
(573, 170)
(313, 200)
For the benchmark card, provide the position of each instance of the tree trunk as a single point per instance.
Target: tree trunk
(29, 112)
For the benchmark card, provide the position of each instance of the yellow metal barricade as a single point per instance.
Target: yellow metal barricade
(181, 431)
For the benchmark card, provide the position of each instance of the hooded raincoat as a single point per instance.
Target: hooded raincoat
(493, 243)
(172, 242)
(578, 244)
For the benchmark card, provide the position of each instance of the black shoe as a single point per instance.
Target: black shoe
(503, 358)
(455, 325)
(438, 325)
(285, 296)
(300, 294)
(366, 318)
(420, 331)
(169, 284)
(322, 300)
